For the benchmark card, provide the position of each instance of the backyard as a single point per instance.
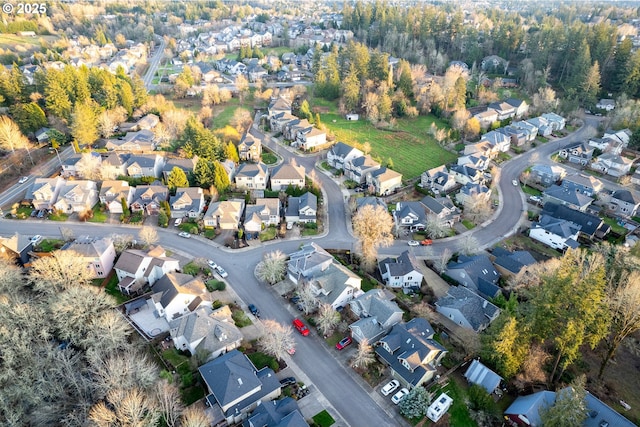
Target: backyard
(410, 146)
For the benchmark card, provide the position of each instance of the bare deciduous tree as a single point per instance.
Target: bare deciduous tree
(373, 227)
(11, 138)
(435, 227)
(308, 300)
(272, 267)
(477, 207)
(89, 167)
(532, 370)
(277, 339)
(10, 276)
(242, 86)
(121, 242)
(241, 120)
(122, 370)
(62, 270)
(109, 119)
(193, 416)
(148, 236)
(125, 408)
(440, 264)
(168, 397)
(364, 357)
(328, 319)
(469, 245)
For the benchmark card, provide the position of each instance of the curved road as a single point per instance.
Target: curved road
(358, 404)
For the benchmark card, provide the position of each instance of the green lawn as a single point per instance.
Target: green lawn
(618, 229)
(531, 191)
(261, 360)
(324, 419)
(112, 289)
(468, 224)
(224, 113)
(268, 234)
(49, 245)
(58, 216)
(269, 158)
(410, 146)
(98, 215)
(458, 412)
(23, 212)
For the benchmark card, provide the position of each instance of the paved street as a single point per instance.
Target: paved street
(347, 396)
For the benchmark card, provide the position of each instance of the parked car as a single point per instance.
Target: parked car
(426, 242)
(34, 213)
(177, 222)
(413, 243)
(36, 239)
(343, 343)
(221, 271)
(41, 213)
(287, 381)
(301, 327)
(184, 234)
(390, 387)
(535, 199)
(397, 398)
(515, 182)
(294, 299)
(23, 180)
(212, 264)
(254, 310)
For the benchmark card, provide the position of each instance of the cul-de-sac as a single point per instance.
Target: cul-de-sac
(365, 213)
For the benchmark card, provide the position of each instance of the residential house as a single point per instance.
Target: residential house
(624, 203)
(368, 200)
(287, 174)
(544, 127)
(529, 128)
(612, 164)
(606, 104)
(493, 63)
(176, 294)
(467, 309)
(43, 193)
(503, 109)
(464, 174)
(498, 140)
(230, 168)
(303, 209)
(250, 146)
(443, 208)
(635, 178)
(481, 148)
(471, 192)
(16, 248)
(143, 141)
(487, 117)
(518, 136)
(482, 376)
(565, 196)
(336, 285)
(309, 138)
(476, 273)
(606, 145)
(224, 215)
(590, 225)
(186, 165)
(310, 259)
(279, 120)
(291, 129)
(340, 153)
(135, 268)
(401, 272)
(148, 122)
(77, 197)
(525, 411)
(359, 168)
(622, 136)
(410, 215)
(411, 352)
(510, 263)
(72, 167)
(188, 202)
(264, 213)
(235, 387)
(112, 193)
(438, 180)
(206, 330)
(148, 198)
(42, 135)
(547, 175)
(555, 121)
(277, 413)
(142, 165)
(384, 181)
(377, 314)
(556, 233)
(97, 253)
(478, 162)
(113, 165)
(252, 176)
(279, 105)
(582, 183)
(521, 107)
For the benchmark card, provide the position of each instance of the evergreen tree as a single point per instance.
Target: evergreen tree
(569, 409)
(57, 99)
(232, 152)
(351, 89)
(29, 117)
(619, 69)
(84, 124)
(177, 178)
(221, 179)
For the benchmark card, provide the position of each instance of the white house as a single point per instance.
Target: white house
(402, 272)
(177, 294)
(556, 233)
(136, 268)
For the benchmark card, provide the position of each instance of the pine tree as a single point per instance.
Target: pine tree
(177, 178)
(221, 180)
(84, 125)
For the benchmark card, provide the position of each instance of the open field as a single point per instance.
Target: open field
(409, 145)
(22, 45)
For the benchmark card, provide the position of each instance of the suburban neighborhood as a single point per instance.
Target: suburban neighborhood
(343, 213)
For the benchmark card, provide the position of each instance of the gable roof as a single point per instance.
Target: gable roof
(342, 150)
(369, 200)
(559, 227)
(477, 267)
(568, 196)
(588, 223)
(277, 413)
(16, 243)
(172, 284)
(400, 266)
(512, 261)
(529, 406)
(287, 171)
(479, 374)
(251, 170)
(476, 310)
(626, 196)
(89, 247)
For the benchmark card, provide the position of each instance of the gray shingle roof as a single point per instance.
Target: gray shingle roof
(589, 223)
(477, 310)
(513, 261)
(479, 374)
(559, 227)
(404, 264)
(567, 195)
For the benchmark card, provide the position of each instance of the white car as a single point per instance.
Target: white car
(413, 243)
(36, 239)
(184, 234)
(221, 271)
(23, 180)
(212, 264)
(390, 387)
(397, 398)
(177, 222)
(515, 182)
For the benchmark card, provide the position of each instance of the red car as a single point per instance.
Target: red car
(301, 327)
(343, 343)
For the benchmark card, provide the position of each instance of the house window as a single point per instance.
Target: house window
(410, 278)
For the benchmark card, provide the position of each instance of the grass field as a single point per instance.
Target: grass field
(21, 45)
(409, 144)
